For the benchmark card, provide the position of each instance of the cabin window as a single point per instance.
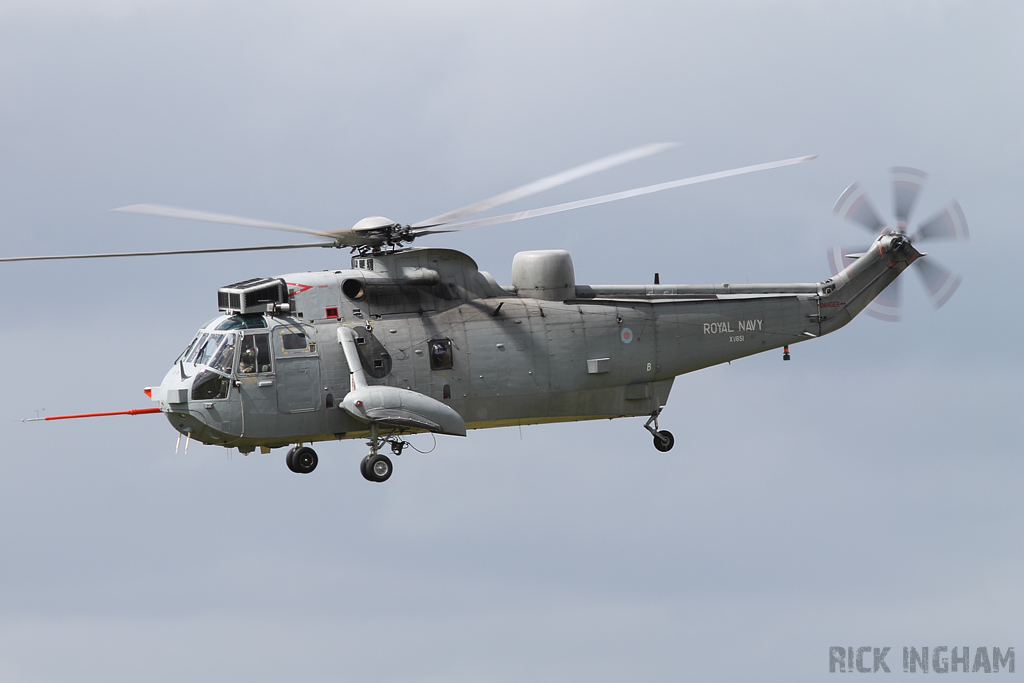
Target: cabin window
(441, 354)
(293, 341)
(255, 356)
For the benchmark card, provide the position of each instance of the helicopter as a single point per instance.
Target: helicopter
(411, 339)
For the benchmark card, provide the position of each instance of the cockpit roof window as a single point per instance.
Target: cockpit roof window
(252, 321)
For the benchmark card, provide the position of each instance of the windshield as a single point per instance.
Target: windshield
(222, 358)
(197, 346)
(214, 350)
(184, 354)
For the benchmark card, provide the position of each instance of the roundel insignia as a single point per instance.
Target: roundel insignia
(626, 335)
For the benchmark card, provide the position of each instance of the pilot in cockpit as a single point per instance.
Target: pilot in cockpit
(247, 359)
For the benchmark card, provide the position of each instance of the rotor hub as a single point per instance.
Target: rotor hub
(898, 242)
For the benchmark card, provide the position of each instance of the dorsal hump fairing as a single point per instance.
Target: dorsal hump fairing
(403, 281)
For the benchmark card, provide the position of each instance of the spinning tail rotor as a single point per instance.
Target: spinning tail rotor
(949, 223)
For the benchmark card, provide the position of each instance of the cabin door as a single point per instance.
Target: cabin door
(298, 369)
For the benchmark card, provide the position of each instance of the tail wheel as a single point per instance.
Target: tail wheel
(303, 460)
(664, 441)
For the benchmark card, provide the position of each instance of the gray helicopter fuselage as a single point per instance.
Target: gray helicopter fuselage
(541, 350)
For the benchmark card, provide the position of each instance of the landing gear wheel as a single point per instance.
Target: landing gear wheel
(664, 441)
(289, 459)
(378, 468)
(304, 460)
(362, 469)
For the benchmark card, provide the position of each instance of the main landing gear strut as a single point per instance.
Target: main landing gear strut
(374, 467)
(377, 466)
(663, 440)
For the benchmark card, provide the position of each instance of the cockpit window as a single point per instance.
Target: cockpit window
(207, 347)
(214, 350)
(210, 385)
(225, 353)
(188, 349)
(243, 322)
(255, 356)
(198, 345)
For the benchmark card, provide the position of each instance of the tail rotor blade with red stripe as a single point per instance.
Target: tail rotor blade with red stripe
(940, 282)
(888, 305)
(853, 205)
(907, 184)
(949, 223)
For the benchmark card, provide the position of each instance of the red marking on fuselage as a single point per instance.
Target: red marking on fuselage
(299, 289)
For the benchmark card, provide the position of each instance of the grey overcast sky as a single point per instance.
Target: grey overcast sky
(865, 494)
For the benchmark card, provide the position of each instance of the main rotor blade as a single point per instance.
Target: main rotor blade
(907, 184)
(941, 282)
(547, 183)
(616, 196)
(853, 205)
(949, 223)
(189, 214)
(888, 305)
(167, 253)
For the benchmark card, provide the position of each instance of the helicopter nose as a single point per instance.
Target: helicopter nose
(173, 392)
